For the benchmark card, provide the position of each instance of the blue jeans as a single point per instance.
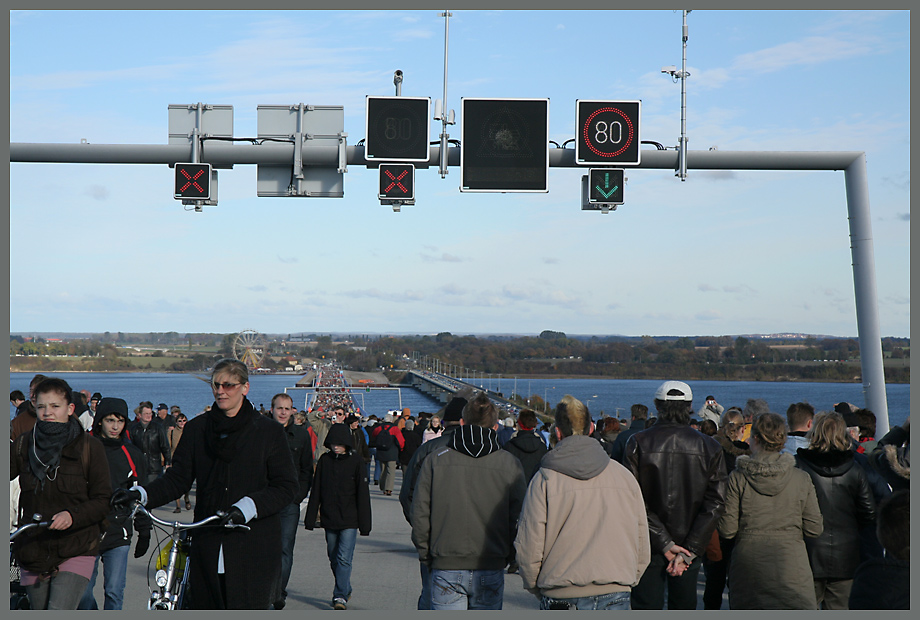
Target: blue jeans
(290, 517)
(424, 599)
(340, 547)
(467, 589)
(376, 465)
(612, 601)
(114, 571)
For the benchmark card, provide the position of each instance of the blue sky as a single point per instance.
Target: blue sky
(106, 247)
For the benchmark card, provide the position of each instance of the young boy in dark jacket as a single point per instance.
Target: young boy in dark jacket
(127, 467)
(341, 496)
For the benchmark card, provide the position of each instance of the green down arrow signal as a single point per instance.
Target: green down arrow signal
(607, 194)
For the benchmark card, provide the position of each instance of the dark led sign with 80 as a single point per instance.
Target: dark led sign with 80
(397, 128)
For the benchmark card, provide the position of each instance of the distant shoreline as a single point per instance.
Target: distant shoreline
(508, 378)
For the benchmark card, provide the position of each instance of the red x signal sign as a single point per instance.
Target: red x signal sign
(193, 181)
(397, 182)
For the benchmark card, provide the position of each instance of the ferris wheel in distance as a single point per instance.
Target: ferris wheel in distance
(250, 347)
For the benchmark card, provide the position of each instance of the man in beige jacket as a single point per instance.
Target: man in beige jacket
(582, 540)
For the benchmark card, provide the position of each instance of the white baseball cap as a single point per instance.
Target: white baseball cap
(678, 386)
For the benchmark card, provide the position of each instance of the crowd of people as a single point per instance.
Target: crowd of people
(804, 511)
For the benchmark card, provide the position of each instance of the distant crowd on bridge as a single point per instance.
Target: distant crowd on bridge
(807, 510)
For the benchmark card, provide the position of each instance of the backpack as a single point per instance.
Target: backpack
(383, 440)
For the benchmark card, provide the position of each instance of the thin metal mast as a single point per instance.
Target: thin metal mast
(444, 114)
(682, 163)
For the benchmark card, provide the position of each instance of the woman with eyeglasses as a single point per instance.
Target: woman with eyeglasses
(241, 464)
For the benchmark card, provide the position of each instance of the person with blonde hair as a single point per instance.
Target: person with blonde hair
(846, 503)
(718, 553)
(769, 506)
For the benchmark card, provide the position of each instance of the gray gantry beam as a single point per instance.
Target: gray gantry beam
(853, 163)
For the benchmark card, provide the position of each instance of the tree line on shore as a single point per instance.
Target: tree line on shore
(550, 353)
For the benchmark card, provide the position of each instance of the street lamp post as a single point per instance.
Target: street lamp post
(544, 397)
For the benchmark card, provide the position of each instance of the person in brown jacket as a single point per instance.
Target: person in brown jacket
(25, 414)
(769, 505)
(64, 476)
(174, 434)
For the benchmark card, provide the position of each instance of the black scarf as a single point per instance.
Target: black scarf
(48, 440)
(474, 441)
(222, 434)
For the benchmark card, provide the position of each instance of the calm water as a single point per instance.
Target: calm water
(613, 397)
(193, 394)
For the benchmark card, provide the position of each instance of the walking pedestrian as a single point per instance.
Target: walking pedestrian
(846, 503)
(301, 449)
(243, 467)
(465, 512)
(578, 492)
(682, 476)
(64, 476)
(341, 498)
(126, 468)
(770, 507)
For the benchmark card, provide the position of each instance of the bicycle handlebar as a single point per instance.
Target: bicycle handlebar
(179, 526)
(36, 522)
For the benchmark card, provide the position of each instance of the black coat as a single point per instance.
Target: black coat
(340, 492)
(361, 446)
(683, 479)
(881, 584)
(619, 444)
(301, 447)
(846, 504)
(123, 476)
(262, 470)
(529, 448)
(153, 442)
(413, 441)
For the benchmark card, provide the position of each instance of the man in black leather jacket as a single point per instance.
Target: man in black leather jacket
(682, 476)
(150, 436)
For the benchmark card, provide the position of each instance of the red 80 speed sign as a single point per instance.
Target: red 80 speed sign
(609, 132)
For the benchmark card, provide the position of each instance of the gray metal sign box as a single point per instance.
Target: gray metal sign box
(216, 120)
(321, 125)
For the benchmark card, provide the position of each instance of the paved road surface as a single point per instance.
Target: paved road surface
(385, 571)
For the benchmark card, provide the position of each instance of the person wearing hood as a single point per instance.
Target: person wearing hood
(577, 492)
(846, 502)
(241, 464)
(465, 511)
(341, 497)
(126, 468)
(770, 505)
(64, 477)
(526, 444)
(891, 457)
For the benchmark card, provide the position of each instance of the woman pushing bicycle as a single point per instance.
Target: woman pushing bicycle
(243, 467)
